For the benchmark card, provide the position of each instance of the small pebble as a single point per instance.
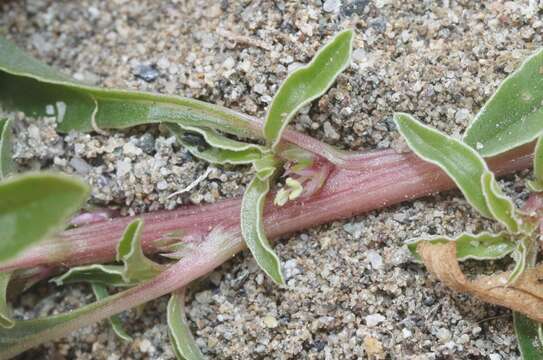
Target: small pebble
(146, 73)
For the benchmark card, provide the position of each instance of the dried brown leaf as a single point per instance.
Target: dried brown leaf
(525, 295)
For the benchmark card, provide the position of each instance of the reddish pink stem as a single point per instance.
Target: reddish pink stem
(385, 178)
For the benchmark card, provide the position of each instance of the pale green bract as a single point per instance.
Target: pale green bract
(307, 83)
(513, 116)
(100, 292)
(501, 207)
(459, 161)
(34, 206)
(109, 275)
(137, 267)
(483, 246)
(252, 229)
(215, 148)
(537, 183)
(6, 164)
(5, 311)
(183, 342)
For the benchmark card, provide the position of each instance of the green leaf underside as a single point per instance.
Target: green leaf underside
(137, 267)
(307, 83)
(501, 207)
(108, 275)
(217, 155)
(252, 229)
(513, 116)
(463, 165)
(76, 106)
(5, 310)
(537, 183)
(100, 291)
(483, 246)
(183, 342)
(6, 164)
(34, 206)
(527, 331)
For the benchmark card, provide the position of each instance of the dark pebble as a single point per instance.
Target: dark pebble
(146, 73)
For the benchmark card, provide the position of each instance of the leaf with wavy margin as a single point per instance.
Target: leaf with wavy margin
(307, 83)
(6, 164)
(181, 338)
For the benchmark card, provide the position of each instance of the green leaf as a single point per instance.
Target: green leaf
(137, 267)
(183, 342)
(6, 164)
(459, 161)
(483, 246)
(108, 275)
(513, 116)
(266, 166)
(34, 206)
(100, 291)
(5, 310)
(85, 108)
(537, 183)
(307, 83)
(501, 207)
(520, 256)
(529, 337)
(214, 148)
(252, 229)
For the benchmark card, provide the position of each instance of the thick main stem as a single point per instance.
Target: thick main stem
(385, 178)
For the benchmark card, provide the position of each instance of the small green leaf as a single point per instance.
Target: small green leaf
(100, 291)
(34, 206)
(483, 246)
(137, 267)
(501, 207)
(513, 116)
(459, 161)
(5, 311)
(307, 83)
(252, 229)
(528, 336)
(224, 151)
(537, 183)
(520, 256)
(183, 342)
(6, 164)
(266, 166)
(108, 275)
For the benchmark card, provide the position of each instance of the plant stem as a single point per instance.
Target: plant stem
(383, 178)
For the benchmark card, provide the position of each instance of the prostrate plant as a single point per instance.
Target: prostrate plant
(321, 184)
(511, 118)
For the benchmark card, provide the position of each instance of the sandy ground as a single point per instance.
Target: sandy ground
(353, 290)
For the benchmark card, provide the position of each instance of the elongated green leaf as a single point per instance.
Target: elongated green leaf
(307, 83)
(6, 164)
(35, 205)
(252, 229)
(458, 160)
(137, 267)
(537, 183)
(483, 246)
(223, 151)
(520, 255)
(100, 291)
(84, 108)
(528, 336)
(109, 275)
(183, 342)
(513, 116)
(501, 207)
(5, 311)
